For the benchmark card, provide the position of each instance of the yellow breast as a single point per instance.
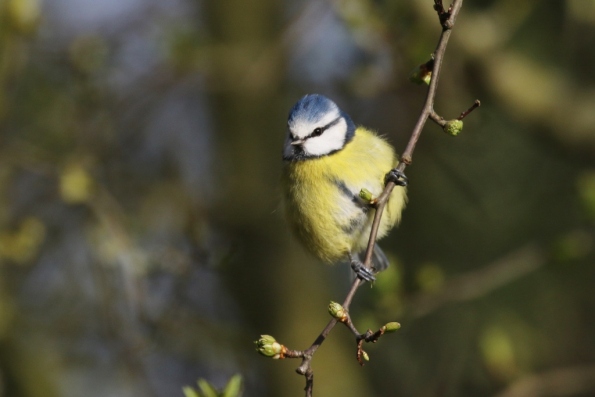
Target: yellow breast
(322, 196)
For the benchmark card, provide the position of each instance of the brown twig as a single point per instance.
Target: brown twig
(447, 20)
(428, 107)
(475, 105)
(406, 159)
(360, 354)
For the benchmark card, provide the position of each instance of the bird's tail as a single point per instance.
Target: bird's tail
(379, 260)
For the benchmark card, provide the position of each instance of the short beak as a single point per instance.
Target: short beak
(297, 142)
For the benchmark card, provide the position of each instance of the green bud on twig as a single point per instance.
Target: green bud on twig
(366, 195)
(391, 327)
(269, 347)
(421, 75)
(453, 127)
(337, 311)
(365, 356)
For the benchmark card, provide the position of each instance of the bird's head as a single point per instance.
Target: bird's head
(316, 127)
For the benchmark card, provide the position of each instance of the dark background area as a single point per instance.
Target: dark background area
(142, 244)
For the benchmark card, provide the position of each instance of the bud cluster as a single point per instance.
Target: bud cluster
(269, 347)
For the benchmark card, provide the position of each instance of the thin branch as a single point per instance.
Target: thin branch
(381, 201)
(436, 118)
(428, 107)
(447, 20)
(406, 159)
(309, 382)
(475, 105)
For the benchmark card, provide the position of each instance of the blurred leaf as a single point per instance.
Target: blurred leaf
(207, 389)
(190, 392)
(233, 387)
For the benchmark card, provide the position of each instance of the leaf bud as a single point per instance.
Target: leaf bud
(337, 311)
(365, 356)
(453, 127)
(391, 327)
(421, 75)
(366, 195)
(269, 347)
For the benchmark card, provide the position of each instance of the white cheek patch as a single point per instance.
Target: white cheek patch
(303, 127)
(331, 140)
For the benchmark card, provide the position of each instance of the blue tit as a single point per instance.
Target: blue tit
(327, 161)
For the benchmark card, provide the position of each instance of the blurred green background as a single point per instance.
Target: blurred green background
(141, 242)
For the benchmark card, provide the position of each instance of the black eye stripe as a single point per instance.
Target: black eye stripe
(319, 130)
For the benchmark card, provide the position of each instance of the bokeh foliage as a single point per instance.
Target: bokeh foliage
(142, 244)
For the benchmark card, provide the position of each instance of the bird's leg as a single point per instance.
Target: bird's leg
(361, 271)
(397, 177)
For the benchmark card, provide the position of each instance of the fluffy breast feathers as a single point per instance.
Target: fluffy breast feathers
(321, 196)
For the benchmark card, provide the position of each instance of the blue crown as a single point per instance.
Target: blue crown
(312, 108)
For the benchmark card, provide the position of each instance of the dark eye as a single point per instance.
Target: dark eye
(317, 132)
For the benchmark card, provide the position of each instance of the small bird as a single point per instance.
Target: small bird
(327, 162)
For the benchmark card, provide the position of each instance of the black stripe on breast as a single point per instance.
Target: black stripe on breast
(354, 197)
(354, 224)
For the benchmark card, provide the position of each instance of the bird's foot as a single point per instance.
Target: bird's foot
(397, 177)
(362, 272)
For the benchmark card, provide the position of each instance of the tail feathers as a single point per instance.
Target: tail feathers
(379, 260)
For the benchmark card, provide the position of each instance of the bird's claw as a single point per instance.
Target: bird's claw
(397, 177)
(362, 272)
